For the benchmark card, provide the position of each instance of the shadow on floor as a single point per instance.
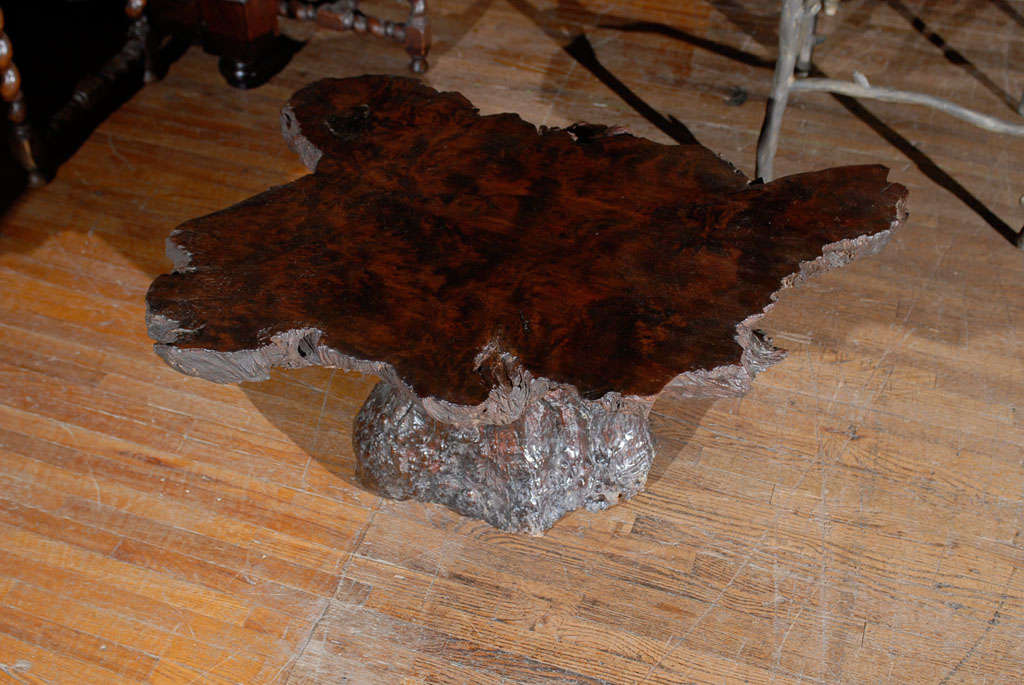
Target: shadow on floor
(13, 179)
(673, 434)
(567, 24)
(583, 52)
(925, 164)
(316, 408)
(1007, 9)
(952, 55)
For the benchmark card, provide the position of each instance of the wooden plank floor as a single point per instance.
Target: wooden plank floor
(856, 518)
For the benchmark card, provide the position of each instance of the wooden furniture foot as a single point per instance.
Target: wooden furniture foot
(245, 35)
(796, 43)
(523, 295)
(240, 73)
(141, 31)
(25, 145)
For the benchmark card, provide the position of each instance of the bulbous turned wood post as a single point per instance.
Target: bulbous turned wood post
(23, 139)
(28, 146)
(417, 35)
(345, 15)
(141, 30)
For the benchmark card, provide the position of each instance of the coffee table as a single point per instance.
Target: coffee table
(524, 295)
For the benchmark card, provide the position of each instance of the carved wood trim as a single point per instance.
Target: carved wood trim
(414, 33)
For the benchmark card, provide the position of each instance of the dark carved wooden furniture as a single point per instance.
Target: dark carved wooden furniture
(524, 295)
(345, 15)
(34, 141)
(17, 112)
(245, 33)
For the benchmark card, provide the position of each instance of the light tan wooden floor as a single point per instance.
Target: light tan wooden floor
(856, 518)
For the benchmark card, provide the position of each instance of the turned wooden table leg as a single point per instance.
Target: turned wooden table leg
(135, 9)
(345, 15)
(417, 35)
(245, 35)
(24, 142)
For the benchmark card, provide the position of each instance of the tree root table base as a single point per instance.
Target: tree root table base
(562, 453)
(524, 295)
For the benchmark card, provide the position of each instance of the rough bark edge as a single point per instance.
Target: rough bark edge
(517, 388)
(403, 453)
(733, 380)
(300, 144)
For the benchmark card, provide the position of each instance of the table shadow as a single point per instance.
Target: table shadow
(673, 434)
(952, 55)
(315, 408)
(763, 28)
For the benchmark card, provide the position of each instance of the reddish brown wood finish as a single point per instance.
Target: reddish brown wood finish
(601, 260)
(245, 35)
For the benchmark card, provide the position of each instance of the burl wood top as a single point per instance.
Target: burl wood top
(599, 259)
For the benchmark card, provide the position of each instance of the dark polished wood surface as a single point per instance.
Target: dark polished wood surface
(601, 260)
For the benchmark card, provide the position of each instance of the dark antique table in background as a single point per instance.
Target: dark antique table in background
(65, 65)
(245, 32)
(524, 295)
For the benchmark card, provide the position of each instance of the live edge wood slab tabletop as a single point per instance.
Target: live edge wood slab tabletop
(523, 294)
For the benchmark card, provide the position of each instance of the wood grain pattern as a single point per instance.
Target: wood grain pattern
(855, 518)
(477, 261)
(428, 234)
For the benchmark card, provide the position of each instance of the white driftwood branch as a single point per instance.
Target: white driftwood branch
(793, 17)
(859, 90)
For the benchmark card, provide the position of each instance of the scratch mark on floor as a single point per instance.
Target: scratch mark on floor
(991, 623)
(290, 664)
